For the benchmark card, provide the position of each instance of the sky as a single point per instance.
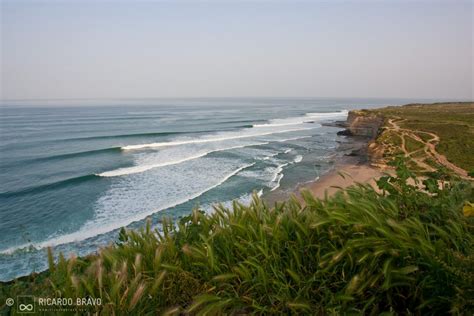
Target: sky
(147, 49)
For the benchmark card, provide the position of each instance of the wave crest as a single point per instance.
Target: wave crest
(138, 169)
(87, 231)
(208, 140)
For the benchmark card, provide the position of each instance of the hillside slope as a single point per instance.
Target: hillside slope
(431, 135)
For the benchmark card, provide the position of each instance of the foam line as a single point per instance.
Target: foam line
(87, 232)
(138, 169)
(308, 118)
(208, 140)
(281, 124)
(328, 114)
(298, 159)
(270, 156)
(280, 176)
(278, 170)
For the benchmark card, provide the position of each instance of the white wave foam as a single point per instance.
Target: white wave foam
(270, 156)
(288, 150)
(282, 124)
(305, 120)
(308, 118)
(208, 140)
(278, 170)
(138, 169)
(93, 229)
(327, 115)
(280, 176)
(298, 159)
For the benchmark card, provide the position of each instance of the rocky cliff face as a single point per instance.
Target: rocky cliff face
(364, 123)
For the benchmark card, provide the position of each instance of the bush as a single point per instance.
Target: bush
(402, 250)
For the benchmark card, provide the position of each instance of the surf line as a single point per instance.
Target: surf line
(138, 169)
(208, 140)
(88, 232)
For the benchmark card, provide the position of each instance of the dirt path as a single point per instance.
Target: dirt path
(429, 147)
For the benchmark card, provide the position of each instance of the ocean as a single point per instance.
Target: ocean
(73, 172)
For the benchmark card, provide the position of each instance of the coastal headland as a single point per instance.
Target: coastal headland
(429, 136)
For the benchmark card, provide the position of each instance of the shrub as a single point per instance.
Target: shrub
(398, 250)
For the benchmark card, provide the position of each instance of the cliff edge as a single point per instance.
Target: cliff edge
(364, 123)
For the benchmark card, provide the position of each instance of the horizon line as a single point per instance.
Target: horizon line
(231, 97)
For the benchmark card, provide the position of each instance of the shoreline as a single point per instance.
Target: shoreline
(352, 161)
(354, 165)
(349, 169)
(343, 175)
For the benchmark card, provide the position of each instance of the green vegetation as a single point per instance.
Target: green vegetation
(459, 144)
(412, 145)
(391, 142)
(400, 250)
(424, 136)
(390, 137)
(452, 122)
(432, 163)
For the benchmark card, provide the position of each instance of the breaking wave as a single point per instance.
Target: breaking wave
(91, 229)
(208, 140)
(138, 169)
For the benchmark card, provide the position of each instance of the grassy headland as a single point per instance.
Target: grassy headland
(431, 135)
(406, 247)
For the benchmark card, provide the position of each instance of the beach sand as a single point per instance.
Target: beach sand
(350, 168)
(332, 181)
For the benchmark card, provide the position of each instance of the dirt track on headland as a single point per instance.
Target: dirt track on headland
(429, 148)
(348, 174)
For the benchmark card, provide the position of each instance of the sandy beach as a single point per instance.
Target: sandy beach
(351, 166)
(342, 176)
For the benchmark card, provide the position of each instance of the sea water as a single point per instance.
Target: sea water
(73, 172)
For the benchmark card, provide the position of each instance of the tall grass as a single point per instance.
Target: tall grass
(362, 251)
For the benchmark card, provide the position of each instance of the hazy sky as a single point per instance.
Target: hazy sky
(112, 49)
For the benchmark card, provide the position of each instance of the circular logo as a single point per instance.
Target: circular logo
(10, 301)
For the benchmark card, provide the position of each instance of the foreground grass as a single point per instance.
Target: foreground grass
(402, 251)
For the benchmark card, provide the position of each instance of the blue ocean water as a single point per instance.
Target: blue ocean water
(73, 172)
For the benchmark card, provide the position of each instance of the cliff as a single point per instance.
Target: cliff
(364, 123)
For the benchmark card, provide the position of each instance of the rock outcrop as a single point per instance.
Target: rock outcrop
(366, 124)
(363, 123)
